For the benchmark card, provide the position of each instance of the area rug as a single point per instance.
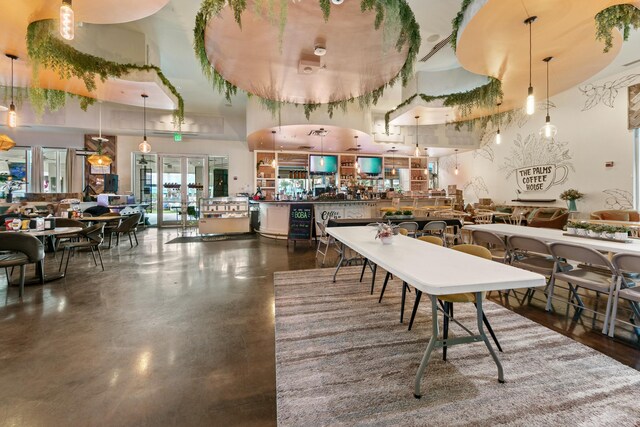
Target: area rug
(209, 239)
(344, 359)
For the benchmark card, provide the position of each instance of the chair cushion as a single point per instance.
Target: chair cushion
(13, 259)
(468, 297)
(615, 216)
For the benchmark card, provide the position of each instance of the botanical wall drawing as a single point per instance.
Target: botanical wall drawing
(618, 199)
(477, 186)
(605, 93)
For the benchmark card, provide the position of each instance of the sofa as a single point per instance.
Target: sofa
(616, 215)
(548, 218)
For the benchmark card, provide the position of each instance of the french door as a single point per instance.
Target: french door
(182, 182)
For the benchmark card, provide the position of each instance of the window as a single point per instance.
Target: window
(54, 162)
(15, 167)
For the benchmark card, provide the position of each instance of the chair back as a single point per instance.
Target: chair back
(483, 218)
(403, 231)
(528, 244)
(129, 223)
(626, 262)
(410, 226)
(488, 239)
(438, 226)
(434, 240)
(580, 254)
(93, 233)
(322, 229)
(29, 245)
(69, 222)
(474, 250)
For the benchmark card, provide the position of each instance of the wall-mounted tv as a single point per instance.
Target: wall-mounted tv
(370, 165)
(323, 164)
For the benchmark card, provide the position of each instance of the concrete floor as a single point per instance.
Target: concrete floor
(169, 334)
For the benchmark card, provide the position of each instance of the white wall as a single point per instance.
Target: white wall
(240, 159)
(592, 129)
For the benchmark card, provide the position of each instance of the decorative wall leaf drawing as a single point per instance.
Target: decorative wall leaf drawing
(522, 118)
(477, 186)
(618, 199)
(605, 93)
(533, 151)
(448, 164)
(486, 152)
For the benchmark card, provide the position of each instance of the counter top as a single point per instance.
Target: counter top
(285, 202)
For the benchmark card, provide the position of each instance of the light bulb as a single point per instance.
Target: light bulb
(531, 102)
(456, 171)
(416, 153)
(13, 116)
(548, 131)
(100, 161)
(67, 20)
(322, 161)
(426, 171)
(274, 164)
(498, 137)
(144, 146)
(393, 171)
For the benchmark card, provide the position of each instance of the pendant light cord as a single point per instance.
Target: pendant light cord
(144, 116)
(12, 80)
(530, 53)
(548, 86)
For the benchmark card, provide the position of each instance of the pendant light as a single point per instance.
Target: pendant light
(416, 153)
(393, 159)
(498, 136)
(357, 149)
(322, 147)
(67, 20)
(274, 162)
(6, 143)
(13, 116)
(426, 166)
(144, 146)
(531, 101)
(99, 159)
(456, 171)
(548, 131)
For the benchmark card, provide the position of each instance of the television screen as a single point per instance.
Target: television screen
(323, 164)
(370, 165)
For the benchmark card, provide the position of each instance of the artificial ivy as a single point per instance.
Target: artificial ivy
(485, 96)
(409, 34)
(44, 99)
(624, 17)
(46, 50)
(457, 22)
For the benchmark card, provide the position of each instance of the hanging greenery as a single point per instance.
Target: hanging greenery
(485, 96)
(44, 99)
(48, 51)
(624, 17)
(457, 22)
(409, 35)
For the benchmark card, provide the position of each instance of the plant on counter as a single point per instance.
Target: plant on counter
(571, 194)
(398, 14)
(624, 17)
(47, 50)
(407, 213)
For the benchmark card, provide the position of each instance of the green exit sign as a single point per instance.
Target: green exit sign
(177, 137)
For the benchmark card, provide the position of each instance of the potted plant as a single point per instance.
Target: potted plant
(594, 230)
(622, 233)
(407, 213)
(572, 227)
(609, 231)
(385, 233)
(570, 196)
(581, 228)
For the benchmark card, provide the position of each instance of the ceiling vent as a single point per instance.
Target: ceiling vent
(309, 64)
(437, 47)
(319, 132)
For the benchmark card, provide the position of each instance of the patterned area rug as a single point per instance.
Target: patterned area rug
(344, 359)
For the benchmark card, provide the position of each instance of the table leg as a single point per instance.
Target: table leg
(340, 261)
(432, 343)
(479, 315)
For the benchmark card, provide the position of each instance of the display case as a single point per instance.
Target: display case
(222, 215)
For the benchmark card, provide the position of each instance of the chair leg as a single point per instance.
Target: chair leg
(100, 256)
(130, 241)
(64, 251)
(67, 264)
(40, 267)
(23, 271)
(384, 286)
(404, 297)
(490, 329)
(110, 238)
(364, 266)
(6, 271)
(448, 310)
(614, 309)
(373, 279)
(135, 236)
(415, 308)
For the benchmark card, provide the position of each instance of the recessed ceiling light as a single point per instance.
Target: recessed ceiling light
(320, 50)
(337, 1)
(307, 70)
(433, 38)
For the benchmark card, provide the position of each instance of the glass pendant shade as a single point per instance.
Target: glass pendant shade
(456, 171)
(99, 160)
(531, 102)
(67, 20)
(498, 137)
(274, 162)
(322, 161)
(548, 131)
(393, 171)
(416, 153)
(144, 146)
(6, 143)
(13, 116)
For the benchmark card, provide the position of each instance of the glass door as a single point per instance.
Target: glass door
(145, 184)
(171, 183)
(195, 186)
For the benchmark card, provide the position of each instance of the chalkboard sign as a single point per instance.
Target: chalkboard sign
(300, 222)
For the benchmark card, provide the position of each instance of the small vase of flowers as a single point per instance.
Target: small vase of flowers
(570, 196)
(385, 234)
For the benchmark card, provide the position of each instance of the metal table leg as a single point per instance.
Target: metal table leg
(343, 250)
(479, 315)
(432, 344)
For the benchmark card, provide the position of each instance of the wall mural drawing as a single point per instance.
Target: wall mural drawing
(606, 93)
(447, 164)
(477, 186)
(618, 199)
(537, 164)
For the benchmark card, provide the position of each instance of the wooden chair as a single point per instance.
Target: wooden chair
(90, 237)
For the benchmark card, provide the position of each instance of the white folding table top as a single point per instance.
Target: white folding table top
(550, 236)
(433, 269)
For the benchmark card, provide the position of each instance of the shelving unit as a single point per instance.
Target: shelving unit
(221, 215)
(347, 168)
(266, 174)
(419, 181)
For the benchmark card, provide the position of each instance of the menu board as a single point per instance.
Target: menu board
(300, 221)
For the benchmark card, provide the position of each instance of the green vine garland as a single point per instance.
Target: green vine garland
(623, 17)
(409, 35)
(44, 99)
(46, 50)
(485, 96)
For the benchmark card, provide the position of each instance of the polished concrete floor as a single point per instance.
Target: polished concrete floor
(169, 334)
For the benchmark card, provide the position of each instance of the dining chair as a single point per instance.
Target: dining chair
(447, 301)
(496, 245)
(90, 237)
(128, 227)
(323, 239)
(591, 270)
(22, 249)
(432, 239)
(66, 222)
(411, 227)
(627, 287)
(437, 228)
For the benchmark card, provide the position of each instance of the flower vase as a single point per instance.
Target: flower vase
(386, 240)
(572, 206)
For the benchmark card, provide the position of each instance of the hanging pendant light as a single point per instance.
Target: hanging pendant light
(67, 20)
(6, 143)
(426, 167)
(498, 136)
(416, 153)
(548, 131)
(12, 116)
(393, 159)
(456, 171)
(357, 149)
(144, 146)
(99, 159)
(531, 101)
(322, 147)
(274, 162)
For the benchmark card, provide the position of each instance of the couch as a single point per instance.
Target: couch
(548, 218)
(616, 215)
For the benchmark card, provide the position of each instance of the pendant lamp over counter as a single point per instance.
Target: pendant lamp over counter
(426, 167)
(12, 116)
(274, 162)
(548, 131)
(144, 146)
(99, 159)
(498, 136)
(417, 150)
(357, 148)
(456, 171)
(393, 159)
(531, 100)
(67, 20)
(321, 146)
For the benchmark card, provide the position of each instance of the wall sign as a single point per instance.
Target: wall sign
(541, 177)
